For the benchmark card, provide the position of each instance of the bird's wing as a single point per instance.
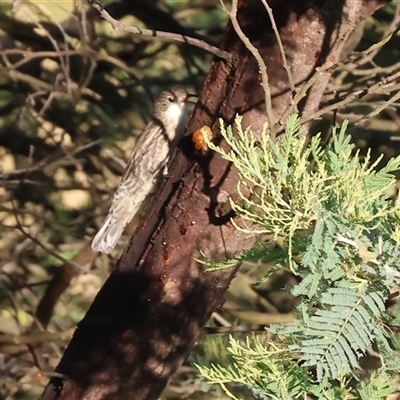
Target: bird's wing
(144, 144)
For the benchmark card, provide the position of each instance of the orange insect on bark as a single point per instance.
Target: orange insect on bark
(198, 138)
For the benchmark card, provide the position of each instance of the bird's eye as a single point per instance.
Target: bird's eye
(170, 99)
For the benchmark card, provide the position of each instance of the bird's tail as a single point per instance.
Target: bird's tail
(125, 204)
(107, 237)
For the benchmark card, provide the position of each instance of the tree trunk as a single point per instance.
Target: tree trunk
(151, 311)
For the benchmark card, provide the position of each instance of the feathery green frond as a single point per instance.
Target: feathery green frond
(336, 335)
(337, 230)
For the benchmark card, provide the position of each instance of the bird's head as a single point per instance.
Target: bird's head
(169, 106)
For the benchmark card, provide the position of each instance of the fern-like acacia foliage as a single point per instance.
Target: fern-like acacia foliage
(338, 231)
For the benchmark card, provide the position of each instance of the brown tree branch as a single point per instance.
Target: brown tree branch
(61, 281)
(150, 34)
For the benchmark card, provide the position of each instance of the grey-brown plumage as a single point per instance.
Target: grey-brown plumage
(148, 158)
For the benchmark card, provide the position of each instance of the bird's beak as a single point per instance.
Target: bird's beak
(189, 95)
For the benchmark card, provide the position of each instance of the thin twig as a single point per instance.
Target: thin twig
(30, 55)
(120, 64)
(280, 45)
(51, 252)
(41, 164)
(254, 51)
(379, 109)
(64, 62)
(150, 34)
(326, 69)
(32, 81)
(388, 34)
(45, 248)
(378, 87)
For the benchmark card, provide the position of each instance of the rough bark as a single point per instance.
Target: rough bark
(151, 311)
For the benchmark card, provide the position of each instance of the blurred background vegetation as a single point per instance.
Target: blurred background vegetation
(74, 96)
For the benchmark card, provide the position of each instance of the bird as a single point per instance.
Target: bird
(144, 166)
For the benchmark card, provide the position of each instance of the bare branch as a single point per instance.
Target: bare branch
(19, 226)
(378, 87)
(42, 164)
(280, 45)
(150, 34)
(379, 109)
(254, 51)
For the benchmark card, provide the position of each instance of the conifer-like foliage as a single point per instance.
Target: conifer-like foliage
(338, 231)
